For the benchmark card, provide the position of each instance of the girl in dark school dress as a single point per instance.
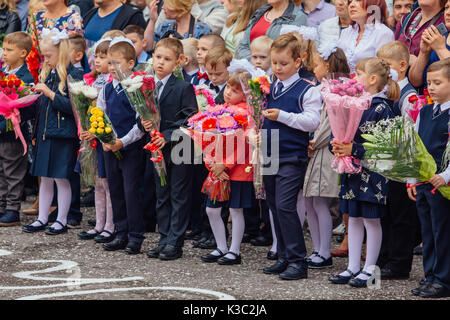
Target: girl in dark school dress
(363, 195)
(55, 132)
(103, 231)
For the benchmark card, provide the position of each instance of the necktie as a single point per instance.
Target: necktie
(437, 111)
(202, 75)
(215, 88)
(158, 86)
(279, 88)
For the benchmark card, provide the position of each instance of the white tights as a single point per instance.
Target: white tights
(103, 207)
(320, 226)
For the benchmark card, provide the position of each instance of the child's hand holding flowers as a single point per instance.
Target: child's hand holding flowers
(42, 88)
(271, 114)
(342, 149)
(86, 135)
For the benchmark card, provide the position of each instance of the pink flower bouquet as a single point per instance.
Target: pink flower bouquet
(345, 101)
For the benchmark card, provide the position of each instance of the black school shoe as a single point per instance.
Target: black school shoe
(338, 279)
(203, 237)
(359, 283)
(208, 258)
(227, 261)
(260, 241)
(272, 255)
(277, 268)
(154, 253)
(31, 229)
(87, 236)
(295, 271)
(116, 244)
(170, 252)
(325, 263)
(422, 286)
(133, 247)
(105, 239)
(53, 232)
(389, 274)
(208, 244)
(435, 290)
(10, 218)
(192, 235)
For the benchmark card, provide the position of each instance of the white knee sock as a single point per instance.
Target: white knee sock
(325, 227)
(100, 206)
(46, 190)
(109, 225)
(355, 240)
(237, 231)
(301, 210)
(274, 235)
(64, 199)
(218, 229)
(374, 235)
(313, 224)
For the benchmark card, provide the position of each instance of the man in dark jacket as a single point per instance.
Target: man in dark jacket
(110, 15)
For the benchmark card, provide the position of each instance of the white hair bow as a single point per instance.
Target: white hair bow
(121, 39)
(57, 35)
(101, 41)
(309, 33)
(244, 64)
(327, 48)
(393, 75)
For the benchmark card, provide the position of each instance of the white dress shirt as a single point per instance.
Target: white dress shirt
(135, 133)
(309, 119)
(406, 104)
(7, 71)
(374, 36)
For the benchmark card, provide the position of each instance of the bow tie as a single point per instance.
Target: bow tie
(215, 88)
(202, 75)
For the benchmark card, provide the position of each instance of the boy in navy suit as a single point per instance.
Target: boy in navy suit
(293, 110)
(13, 163)
(217, 61)
(177, 103)
(124, 175)
(205, 43)
(432, 126)
(136, 35)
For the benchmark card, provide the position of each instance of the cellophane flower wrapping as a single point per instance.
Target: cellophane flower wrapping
(14, 94)
(256, 90)
(87, 157)
(417, 102)
(102, 128)
(140, 90)
(204, 96)
(218, 131)
(395, 150)
(345, 100)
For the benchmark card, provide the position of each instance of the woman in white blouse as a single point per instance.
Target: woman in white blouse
(367, 33)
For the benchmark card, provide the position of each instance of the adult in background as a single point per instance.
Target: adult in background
(268, 20)
(211, 12)
(330, 30)
(367, 33)
(110, 15)
(180, 22)
(410, 29)
(22, 11)
(237, 22)
(81, 6)
(9, 19)
(433, 47)
(317, 11)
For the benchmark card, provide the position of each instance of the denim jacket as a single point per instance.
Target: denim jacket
(292, 16)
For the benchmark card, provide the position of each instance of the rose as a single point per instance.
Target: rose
(149, 82)
(17, 83)
(413, 99)
(3, 83)
(11, 84)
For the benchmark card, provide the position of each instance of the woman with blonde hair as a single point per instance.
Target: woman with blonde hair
(9, 19)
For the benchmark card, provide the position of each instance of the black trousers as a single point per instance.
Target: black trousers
(173, 202)
(281, 192)
(124, 179)
(198, 199)
(400, 230)
(148, 190)
(257, 220)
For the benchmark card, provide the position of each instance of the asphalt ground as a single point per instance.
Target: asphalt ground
(82, 270)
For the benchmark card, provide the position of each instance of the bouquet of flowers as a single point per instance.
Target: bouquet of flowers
(204, 97)
(34, 58)
(14, 94)
(345, 101)
(147, 67)
(417, 103)
(256, 87)
(140, 90)
(395, 150)
(218, 131)
(103, 129)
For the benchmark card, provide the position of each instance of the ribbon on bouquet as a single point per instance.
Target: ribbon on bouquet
(433, 191)
(157, 156)
(14, 117)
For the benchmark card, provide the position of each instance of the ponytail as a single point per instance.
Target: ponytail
(393, 92)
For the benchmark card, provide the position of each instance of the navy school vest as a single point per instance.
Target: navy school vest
(398, 104)
(293, 142)
(434, 132)
(119, 110)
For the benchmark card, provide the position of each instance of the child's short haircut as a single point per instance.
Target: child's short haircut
(173, 44)
(124, 48)
(287, 41)
(442, 65)
(235, 79)
(134, 29)
(102, 48)
(20, 39)
(190, 49)
(394, 50)
(113, 34)
(216, 40)
(263, 42)
(218, 55)
(77, 42)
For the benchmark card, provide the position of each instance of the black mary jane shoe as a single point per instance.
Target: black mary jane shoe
(53, 232)
(272, 255)
(30, 228)
(338, 279)
(309, 259)
(87, 236)
(227, 261)
(103, 239)
(359, 283)
(208, 258)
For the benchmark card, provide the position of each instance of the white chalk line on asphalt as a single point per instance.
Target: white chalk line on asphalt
(5, 252)
(220, 295)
